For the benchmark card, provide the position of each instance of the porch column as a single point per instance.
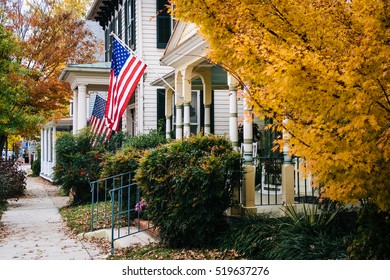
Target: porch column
(179, 104)
(187, 84)
(45, 151)
(248, 132)
(205, 75)
(75, 110)
(49, 144)
(287, 171)
(82, 107)
(248, 191)
(54, 143)
(42, 148)
(168, 112)
(233, 120)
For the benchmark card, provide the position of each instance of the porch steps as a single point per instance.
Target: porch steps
(142, 238)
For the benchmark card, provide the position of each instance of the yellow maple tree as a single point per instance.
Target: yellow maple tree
(321, 64)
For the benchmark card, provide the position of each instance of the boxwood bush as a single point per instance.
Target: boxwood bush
(122, 161)
(188, 185)
(146, 141)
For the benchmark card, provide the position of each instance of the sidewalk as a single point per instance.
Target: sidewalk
(35, 230)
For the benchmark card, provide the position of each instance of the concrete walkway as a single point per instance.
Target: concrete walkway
(36, 231)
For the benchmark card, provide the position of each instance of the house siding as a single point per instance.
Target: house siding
(151, 55)
(222, 112)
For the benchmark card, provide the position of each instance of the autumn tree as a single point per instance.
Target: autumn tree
(50, 35)
(323, 65)
(13, 117)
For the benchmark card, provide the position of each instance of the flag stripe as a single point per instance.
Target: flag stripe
(126, 72)
(99, 129)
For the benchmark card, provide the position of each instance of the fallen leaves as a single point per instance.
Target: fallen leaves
(156, 251)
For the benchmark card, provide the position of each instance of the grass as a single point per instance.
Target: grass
(78, 220)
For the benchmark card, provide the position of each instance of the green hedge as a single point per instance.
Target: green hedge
(188, 185)
(145, 141)
(77, 163)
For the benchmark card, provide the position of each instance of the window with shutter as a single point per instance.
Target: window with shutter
(164, 26)
(130, 23)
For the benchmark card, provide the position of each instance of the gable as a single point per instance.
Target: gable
(181, 33)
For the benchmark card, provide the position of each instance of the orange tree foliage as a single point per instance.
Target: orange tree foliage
(50, 37)
(324, 66)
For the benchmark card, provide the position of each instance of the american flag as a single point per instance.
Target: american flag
(99, 128)
(126, 71)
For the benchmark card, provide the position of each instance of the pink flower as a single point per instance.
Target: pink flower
(140, 205)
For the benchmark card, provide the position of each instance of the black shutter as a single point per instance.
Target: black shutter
(161, 110)
(163, 24)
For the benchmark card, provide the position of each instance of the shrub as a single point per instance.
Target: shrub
(36, 167)
(251, 236)
(310, 235)
(77, 163)
(373, 241)
(145, 141)
(116, 141)
(12, 180)
(122, 161)
(307, 235)
(188, 185)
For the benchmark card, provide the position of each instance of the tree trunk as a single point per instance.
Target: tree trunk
(3, 139)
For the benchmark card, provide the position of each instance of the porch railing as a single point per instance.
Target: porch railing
(117, 199)
(268, 182)
(101, 201)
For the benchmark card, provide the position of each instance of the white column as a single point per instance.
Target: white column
(168, 112)
(49, 144)
(187, 127)
(54, 143)
(187, 84)
(179, 124)
(207, 119)
(233, 119)
(75, 110)
(179, 105)
(248, 132)
(205, 75)
(82, 107)
(42, 148)
(45, 142)
(168, 125)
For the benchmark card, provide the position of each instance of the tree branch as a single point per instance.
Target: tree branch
(384, 91)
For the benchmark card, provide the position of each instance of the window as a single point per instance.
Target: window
(130, 23)
(107, 44)
(195, 112)
(164, 26)
(71, 108)
(119, 24)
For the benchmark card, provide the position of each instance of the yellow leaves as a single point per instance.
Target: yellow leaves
(323, 64)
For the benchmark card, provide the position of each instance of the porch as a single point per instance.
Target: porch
(198, 94)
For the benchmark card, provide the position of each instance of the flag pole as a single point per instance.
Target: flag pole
(133, 53)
